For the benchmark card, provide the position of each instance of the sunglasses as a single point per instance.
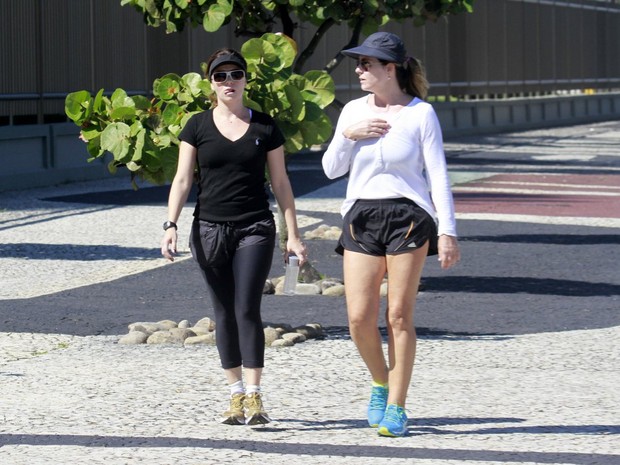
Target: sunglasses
(223, 76)
(364, 65)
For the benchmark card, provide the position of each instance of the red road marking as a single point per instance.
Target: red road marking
(577, 195)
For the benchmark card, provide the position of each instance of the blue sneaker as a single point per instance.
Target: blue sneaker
(394, 423)
(376, 407)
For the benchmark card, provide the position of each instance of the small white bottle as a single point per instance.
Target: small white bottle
(291, 275)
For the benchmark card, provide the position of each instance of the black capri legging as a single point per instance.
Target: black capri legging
(235, 260)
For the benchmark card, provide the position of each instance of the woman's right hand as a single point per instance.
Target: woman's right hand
(366, 129)
(169, 244)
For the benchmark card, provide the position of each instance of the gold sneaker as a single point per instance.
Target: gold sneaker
(254, 412)
(235, 415)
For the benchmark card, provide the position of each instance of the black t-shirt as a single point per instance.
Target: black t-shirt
(232, 184)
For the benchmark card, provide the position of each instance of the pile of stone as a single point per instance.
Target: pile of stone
(308, 284)
(203, 332)
(324, 232)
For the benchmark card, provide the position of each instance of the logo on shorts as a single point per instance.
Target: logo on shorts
(411, 245)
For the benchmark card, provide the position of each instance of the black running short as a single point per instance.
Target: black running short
(387, 227)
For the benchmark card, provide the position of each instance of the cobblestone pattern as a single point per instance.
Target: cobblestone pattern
(545, 398)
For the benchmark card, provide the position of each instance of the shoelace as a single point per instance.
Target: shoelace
(378, 398)
(394, 414)
(254, 403)
(236, 403)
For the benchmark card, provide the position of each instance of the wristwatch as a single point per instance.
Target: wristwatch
(169, 224)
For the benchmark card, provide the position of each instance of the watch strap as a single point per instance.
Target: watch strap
(170, 224)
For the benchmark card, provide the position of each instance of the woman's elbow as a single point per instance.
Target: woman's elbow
(331, 173)
(328, 170)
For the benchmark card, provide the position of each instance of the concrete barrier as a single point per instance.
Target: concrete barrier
(45, 155)
(515, 114)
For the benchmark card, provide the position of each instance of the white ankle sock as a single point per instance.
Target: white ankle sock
(236, 388)
(252, 388)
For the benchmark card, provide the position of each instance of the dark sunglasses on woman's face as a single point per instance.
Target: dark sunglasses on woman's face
(223, 76)
(364, 65)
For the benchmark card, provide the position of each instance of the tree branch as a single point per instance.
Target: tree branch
(288, 26)
(355, 38)
(309, 50)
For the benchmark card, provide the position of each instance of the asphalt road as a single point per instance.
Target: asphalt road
(519, 274)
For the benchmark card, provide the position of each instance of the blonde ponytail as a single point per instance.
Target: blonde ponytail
(412, 78)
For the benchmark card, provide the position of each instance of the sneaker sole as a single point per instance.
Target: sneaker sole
(258, 419)
(233, 421)
(387, 433)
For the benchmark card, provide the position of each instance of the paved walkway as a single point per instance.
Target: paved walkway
(543, 397)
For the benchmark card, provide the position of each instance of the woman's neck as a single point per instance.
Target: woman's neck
(389, 99)
(231, 112)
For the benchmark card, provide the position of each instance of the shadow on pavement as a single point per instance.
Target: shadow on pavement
(308, 450)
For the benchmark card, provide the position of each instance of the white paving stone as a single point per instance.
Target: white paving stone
(523, 399)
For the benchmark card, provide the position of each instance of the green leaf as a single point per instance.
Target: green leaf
(205, 87)
(94, 147)
(112, 166)
(90, 134)
(227, 6)
(166, 88)
(316, 131)
(169, 159)
(123, 113)
(320, 88)
(171, 114)
(132, 166)
(192, 82)
(76, 104)
(115, 139)
(137, 154)
(286, 47)
(258, 52)
(254, 105)
(135, 129)
(141, 102)
(97, 104)
(120, 99)
(162, 140)
(297, 110)
(214, 18)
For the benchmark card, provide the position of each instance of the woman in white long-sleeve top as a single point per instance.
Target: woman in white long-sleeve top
(398, 210)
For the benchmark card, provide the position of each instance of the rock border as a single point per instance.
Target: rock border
(203, 333)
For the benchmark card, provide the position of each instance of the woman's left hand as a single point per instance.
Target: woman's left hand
(449, 253)
(295, 246)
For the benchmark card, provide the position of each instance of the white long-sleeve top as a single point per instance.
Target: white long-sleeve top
(408, 161)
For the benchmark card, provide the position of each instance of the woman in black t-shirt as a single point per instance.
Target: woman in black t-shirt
(233, 233)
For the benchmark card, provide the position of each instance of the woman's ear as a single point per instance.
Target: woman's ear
(391, 70)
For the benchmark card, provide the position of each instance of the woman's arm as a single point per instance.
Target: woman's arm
(441, 192)
(281, 186)
(179, 191)
(437, 172)
(337, 158)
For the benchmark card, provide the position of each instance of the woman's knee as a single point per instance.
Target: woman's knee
(399, 318)
(361, 322)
